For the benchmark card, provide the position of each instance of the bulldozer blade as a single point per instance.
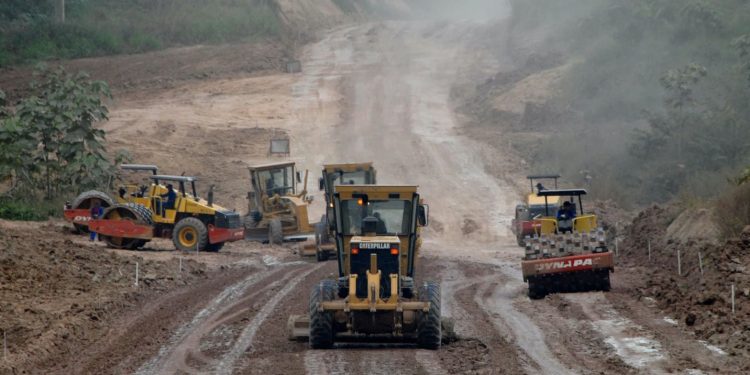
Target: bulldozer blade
(298, 327)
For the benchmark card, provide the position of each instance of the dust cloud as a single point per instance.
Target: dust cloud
(475, 10)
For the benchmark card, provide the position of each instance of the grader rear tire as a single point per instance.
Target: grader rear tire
(321, 322)
(129, 211)
(189, 234)
(429, 326)
(85, 200)
(275, 233)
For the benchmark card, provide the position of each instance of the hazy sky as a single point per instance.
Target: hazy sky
(468, 9)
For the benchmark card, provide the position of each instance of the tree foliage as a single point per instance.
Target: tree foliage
(50, 144)
(668, 79)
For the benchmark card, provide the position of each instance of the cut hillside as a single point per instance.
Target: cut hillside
(700, 301)
(60, 293)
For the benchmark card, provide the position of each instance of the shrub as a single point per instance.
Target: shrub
(17, 210)
(733, 211)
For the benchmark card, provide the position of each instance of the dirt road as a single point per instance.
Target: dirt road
(381, 92)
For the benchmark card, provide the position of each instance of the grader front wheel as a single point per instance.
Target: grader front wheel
(321, 322)
(429, 335)
(275, 233)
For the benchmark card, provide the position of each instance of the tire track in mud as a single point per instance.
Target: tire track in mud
(176, 343)
(184, 349)
(245, 340)
(499, 299)
(631, 342)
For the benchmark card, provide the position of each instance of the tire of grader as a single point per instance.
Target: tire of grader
(321, 322)
(129, 211)
(190, 233)
(84, 200)
(429, 325)
(275, 234)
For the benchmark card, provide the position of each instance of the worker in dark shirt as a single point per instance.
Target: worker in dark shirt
(169, 198)
(565, 216)
(96, 213)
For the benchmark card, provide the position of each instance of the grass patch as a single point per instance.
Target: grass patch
(25, 211)
(106, 27)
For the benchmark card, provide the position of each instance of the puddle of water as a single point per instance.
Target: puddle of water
(636, 351)
(270, 260)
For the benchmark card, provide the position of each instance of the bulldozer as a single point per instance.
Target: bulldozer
(376, 296)
(79, 211)
(138, 216)
(277, 213)
(569, 252)
(331, 176)
(524, 223)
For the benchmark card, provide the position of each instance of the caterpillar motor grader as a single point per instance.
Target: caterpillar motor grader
(333, 175)
(525, 223)
(141, 213)
(376, 296)
(79, 211)
(569, 252)
(276, 212)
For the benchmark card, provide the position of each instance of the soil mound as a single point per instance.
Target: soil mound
(694, 224)
(60, 293)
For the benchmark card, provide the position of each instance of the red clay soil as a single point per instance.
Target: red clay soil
(57, 294)
(701, 302)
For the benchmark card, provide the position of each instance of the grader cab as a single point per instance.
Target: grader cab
(376, 295)
(332, 176)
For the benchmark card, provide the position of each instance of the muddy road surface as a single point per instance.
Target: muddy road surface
(382, 93)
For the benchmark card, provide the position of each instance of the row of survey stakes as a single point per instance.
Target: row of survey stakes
(732, 289)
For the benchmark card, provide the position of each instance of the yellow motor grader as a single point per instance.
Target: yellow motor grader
(277, 213)
(331, 176)
(376, 296)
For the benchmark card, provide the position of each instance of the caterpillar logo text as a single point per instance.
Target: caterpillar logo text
(374, 245)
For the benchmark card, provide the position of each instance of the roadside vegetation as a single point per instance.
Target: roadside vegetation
(658, 90)
(30, 31)
(49, 146)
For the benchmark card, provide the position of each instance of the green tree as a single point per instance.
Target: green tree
(50, 143)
